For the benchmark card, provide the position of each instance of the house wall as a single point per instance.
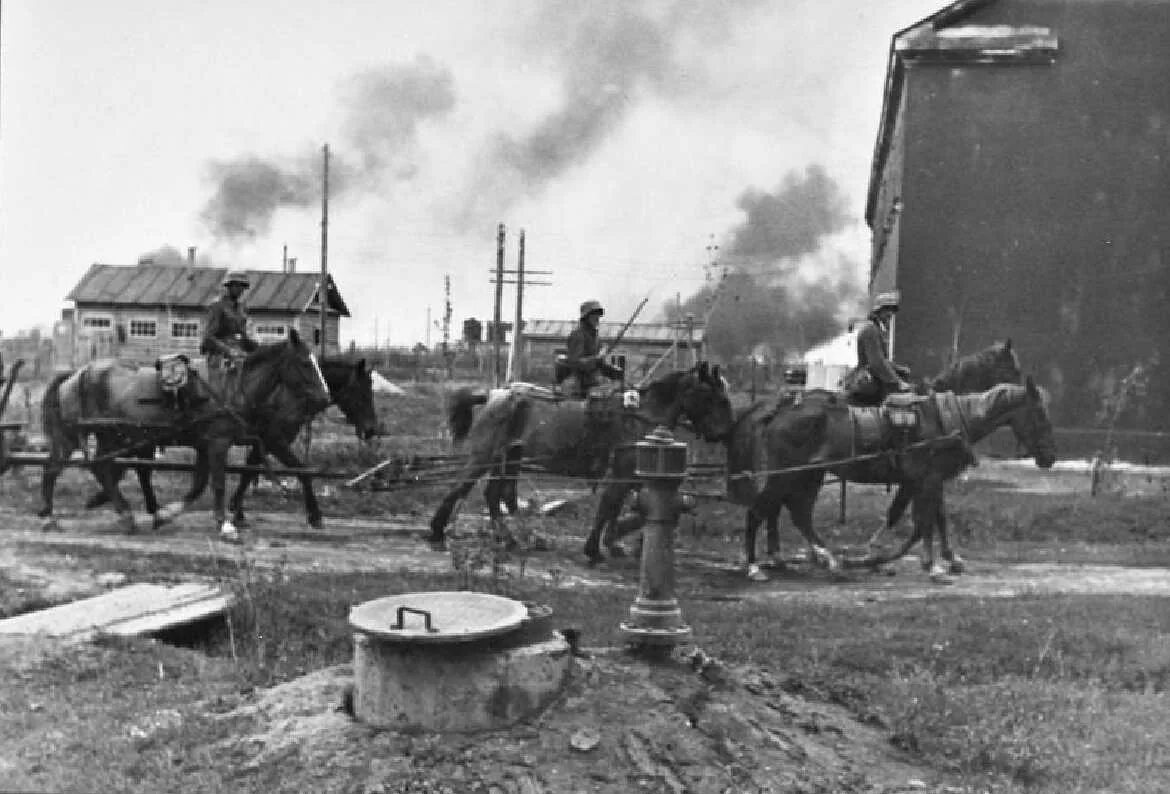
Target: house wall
(176, 330)
(1035, 201)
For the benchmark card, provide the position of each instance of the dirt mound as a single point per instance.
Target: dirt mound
(623, 724)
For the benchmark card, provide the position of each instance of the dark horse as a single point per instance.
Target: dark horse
(119, 404)
(561, 437)
(350, 389)
(976, 372)
(819, 434)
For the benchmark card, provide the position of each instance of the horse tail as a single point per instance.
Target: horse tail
(461, 410)
(52, 420)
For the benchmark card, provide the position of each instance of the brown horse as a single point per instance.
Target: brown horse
(350, 389)
(120, 405)
(975, 372)
(563, 437)
(820, 434)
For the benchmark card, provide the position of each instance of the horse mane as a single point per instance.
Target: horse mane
(980, 370)
(266, 354)
(666, 387)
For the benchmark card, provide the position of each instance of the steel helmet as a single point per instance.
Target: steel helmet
(589, 307)
(886, 300)
(236, 277)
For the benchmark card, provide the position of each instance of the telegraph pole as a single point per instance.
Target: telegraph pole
(521, 279)
(323, 290)
(499, 300)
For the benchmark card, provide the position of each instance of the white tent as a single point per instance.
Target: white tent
(383, 386)
(829, 362)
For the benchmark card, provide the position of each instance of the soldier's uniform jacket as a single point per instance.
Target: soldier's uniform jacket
(583, 357)
(226, 328)
(873, 342)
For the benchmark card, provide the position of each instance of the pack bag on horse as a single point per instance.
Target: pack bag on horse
(118, 404)
(915, 442)
(350, 387)
(975, 372)
(588, 438)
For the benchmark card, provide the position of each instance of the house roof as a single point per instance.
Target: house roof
(165, 285)
(638, 333)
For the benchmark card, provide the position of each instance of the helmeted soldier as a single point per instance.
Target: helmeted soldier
(584, 358)
(225, 332)
(875, 375)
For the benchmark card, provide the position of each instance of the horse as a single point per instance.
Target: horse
(119, 404)
(819, 434)
(567, 438)
(975, 372)
(350, 388)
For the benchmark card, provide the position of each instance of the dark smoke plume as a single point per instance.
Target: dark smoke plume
(762, 299)
(791, 221)
(611, 55)
(170, 256)
(382, 112)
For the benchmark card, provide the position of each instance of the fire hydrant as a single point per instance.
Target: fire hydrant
(655, 617)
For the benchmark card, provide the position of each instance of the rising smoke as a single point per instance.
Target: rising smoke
(383, 109)
(780, 289)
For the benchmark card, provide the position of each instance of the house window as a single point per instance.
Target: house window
(184, 329)
(143, 329)
(268, 332)
(98, 321)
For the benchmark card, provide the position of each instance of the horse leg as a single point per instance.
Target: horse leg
(472, 472)
(773, 542)
(609, 507)
(894, 513)
(146, 483)
(255, 458)
(109, 475)
(283, 452)
(60, 450)
(801, 499)
(217, 452)
(926, 510)
(955, 563)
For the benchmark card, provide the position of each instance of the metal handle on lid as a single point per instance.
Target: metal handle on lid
(426, 618)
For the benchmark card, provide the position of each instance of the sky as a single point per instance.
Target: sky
(634, 143)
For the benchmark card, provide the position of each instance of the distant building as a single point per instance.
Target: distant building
(1021, 188)
(140, 312)
(643, 345)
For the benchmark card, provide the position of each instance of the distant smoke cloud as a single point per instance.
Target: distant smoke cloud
(791, 221)
(612, 54)
(383, 109)
(763, 300)
(170, 256)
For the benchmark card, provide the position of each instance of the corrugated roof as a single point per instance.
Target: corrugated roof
(661, 333)
(162, 285)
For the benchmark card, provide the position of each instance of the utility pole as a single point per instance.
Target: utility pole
(323, 289)
(521, 279)
(428, 334)
(499, 300)
(284, 260)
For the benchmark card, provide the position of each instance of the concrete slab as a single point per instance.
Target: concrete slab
(134, 610)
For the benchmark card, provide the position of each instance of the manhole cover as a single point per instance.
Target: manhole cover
(438, 617)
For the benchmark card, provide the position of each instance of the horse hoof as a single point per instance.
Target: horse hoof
(593, 557)
(44, 512)
(773, 563)
(240, 520)
(50, 525)
(316, 523)
(97, 500)
(127, 524)
(756, 574)
(228, 533)
(617, 551)
(938, 575)
(957, 566)
(437, 543)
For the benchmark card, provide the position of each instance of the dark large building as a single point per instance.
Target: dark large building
(1021, 188)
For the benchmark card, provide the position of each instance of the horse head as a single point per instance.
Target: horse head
(702, 398)
(1032, 427)
(1005, 364)
(351, 386)
(291, 366)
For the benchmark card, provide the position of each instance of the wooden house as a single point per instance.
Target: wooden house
(643, 345)
(1020, 188)
(140, 312)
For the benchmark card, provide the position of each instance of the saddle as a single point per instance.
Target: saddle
(901, 418)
